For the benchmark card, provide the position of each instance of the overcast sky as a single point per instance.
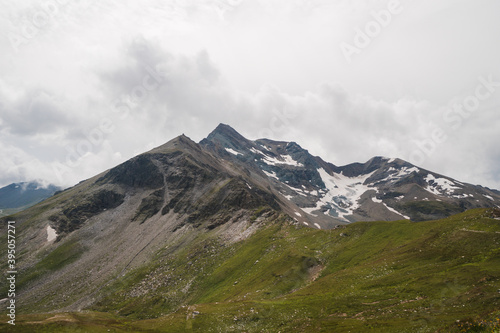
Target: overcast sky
(88, 84)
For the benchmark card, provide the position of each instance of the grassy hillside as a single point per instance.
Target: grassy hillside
(377, 276)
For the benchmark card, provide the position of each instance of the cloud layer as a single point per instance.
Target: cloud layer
(87, 85)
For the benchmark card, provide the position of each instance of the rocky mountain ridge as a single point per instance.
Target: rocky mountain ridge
(326, 194)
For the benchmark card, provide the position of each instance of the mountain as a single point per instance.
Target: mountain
(324, 195)
(89, 235)
(222, 235)
(18, 196)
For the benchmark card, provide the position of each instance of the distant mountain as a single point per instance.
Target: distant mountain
(19, 196)
(222, 236)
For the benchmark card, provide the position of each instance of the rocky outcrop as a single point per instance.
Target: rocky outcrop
(73, 215)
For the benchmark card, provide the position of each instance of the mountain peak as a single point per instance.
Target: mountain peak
(225, 130)
(181, 142)
(227, 137)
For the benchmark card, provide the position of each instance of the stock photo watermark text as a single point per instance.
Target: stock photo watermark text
(11, 273)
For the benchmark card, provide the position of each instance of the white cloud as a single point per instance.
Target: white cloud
(268, 68)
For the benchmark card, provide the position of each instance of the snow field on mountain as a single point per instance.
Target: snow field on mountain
(342, 192)
(283, 159)
(396, 175)
(440, 186)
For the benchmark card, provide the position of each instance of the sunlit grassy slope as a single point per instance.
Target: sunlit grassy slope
(377, 276)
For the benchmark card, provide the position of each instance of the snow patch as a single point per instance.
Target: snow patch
(298, 214)
(265, 147)
(283, 159)
(488, 197)
(51, 234)
(389, 208)
(309, 210)
(410, 170)
(271, 174)
(232, 151)
(440, 186)
(317, 225)
(397, 175)
(297, 190)
(395, 211)
(255, 151)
